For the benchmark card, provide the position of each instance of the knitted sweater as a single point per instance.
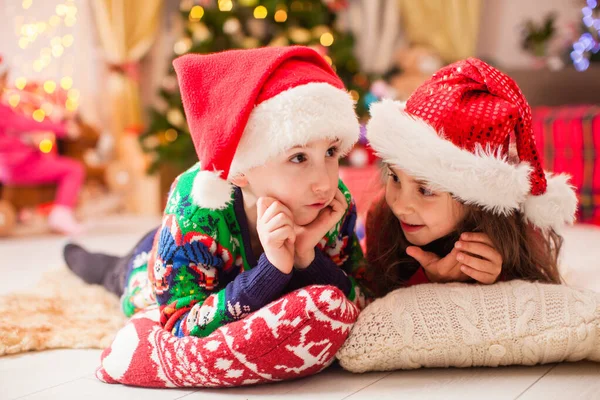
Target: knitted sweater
(205, 275)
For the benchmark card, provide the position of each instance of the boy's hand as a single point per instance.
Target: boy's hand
(473, 256)
(479, 259)
(275, 229)
(308, 236)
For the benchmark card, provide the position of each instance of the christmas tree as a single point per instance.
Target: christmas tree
(213, 26)
(185, 284)
(587, 48)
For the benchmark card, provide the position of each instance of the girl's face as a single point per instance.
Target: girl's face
(304, 179)
(424, 215)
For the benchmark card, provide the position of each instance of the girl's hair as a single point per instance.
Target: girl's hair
(527, 253)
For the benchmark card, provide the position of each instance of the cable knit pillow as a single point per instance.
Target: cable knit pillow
(463, 325)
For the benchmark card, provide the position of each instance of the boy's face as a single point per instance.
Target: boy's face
(424, 215)
(304, 179)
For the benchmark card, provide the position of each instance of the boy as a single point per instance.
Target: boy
(263, 212)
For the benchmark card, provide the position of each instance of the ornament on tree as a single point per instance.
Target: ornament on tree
(161, 105)
(299, 35)
(232, 26)
(169, 83)
(8, 218)
(186, 5)
(175, 117)
(279, 41)
(210, 26)
(257, 28)
(336, 5)
(200, 32)
(361, 155)
(250, 43)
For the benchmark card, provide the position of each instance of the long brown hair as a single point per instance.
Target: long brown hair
(527, 253)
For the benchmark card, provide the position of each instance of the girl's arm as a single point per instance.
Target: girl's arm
(19, 124)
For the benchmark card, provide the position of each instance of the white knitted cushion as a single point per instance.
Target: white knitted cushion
(465, 325)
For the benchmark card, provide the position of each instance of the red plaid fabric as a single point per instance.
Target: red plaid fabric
(568, 138)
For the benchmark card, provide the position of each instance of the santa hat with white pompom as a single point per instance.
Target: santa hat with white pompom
(246, 106)
(455, 132)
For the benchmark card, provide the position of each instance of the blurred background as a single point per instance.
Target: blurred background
(93, 125)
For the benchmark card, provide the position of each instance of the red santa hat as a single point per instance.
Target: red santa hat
(455, 131)
(246, 106)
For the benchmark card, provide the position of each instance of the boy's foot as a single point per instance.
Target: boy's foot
(91, 267)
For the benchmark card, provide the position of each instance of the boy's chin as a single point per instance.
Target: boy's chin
(305, 218)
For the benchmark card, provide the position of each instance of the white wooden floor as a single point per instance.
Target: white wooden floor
(68, 374)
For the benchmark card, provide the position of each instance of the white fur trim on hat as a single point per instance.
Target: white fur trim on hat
(210, 191)
(293, 118)
(484, 178)
(555, 207)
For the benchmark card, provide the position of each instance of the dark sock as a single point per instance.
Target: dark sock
(91, 267)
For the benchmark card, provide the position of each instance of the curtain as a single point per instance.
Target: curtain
(450, 27)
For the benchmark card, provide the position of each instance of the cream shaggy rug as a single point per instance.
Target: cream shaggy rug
(61, 311)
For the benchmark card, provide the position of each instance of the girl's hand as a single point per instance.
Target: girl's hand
(438, 269)
(478, 257)
(307, 237)
(276, 233)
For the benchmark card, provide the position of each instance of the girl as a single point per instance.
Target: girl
(457, 205)
(263, 213)
(22, 164)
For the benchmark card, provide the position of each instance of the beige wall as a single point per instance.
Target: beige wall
(500, 38)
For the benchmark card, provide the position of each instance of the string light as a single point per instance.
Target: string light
(70, 21)
(39, 115)
(41, 27)
(326, 39)
(225, 5)
(23, 43)
(196, 13)
(31, 32)
(588, 43)
(46, 146)
(171, 135)
(20, 83)
(57, 51)
(260, 12)
(61, 10)
(182, 46)
(67, 40)
(49, 86)
(73, 94)
(281, 16)
(71, 105)
(14, 100)
(66, 82)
